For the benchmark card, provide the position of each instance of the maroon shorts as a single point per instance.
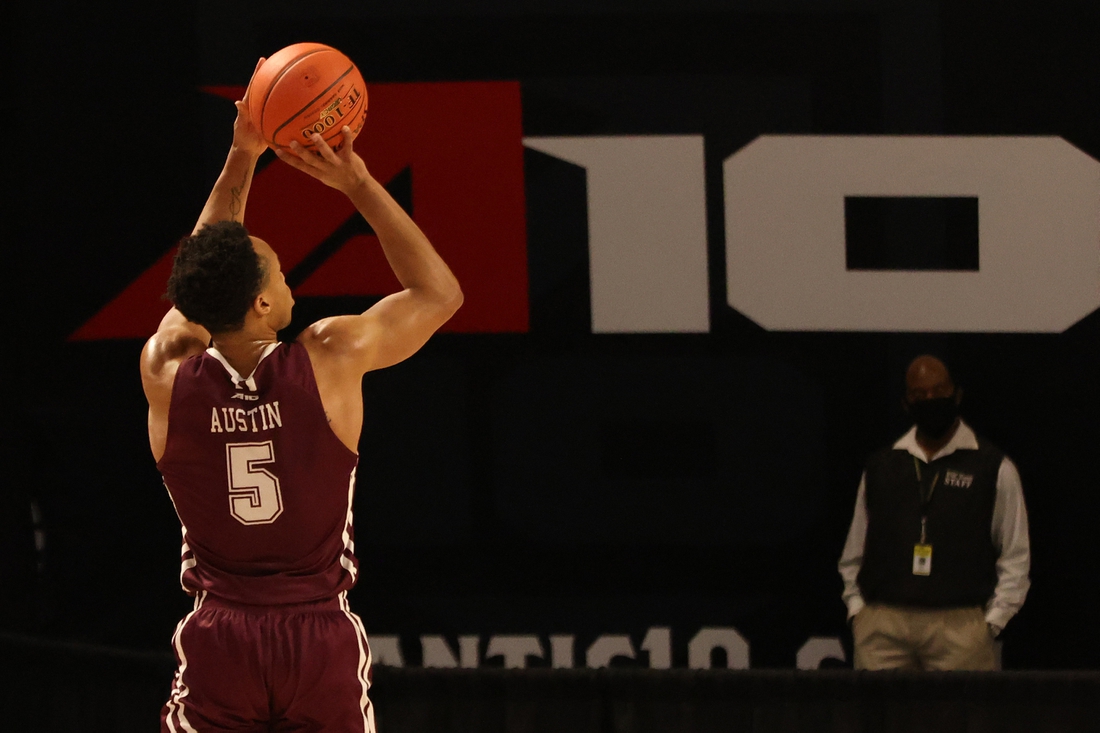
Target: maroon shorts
(302, 667)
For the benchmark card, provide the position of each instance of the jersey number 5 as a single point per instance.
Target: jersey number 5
(254, 494)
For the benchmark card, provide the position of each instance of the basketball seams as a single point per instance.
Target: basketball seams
(311, 102)
(278, 77)
(283, 90)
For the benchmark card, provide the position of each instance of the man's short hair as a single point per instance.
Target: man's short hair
(216, 277)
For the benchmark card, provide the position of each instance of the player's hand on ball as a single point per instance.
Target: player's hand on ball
(245, 135)
(343, 170)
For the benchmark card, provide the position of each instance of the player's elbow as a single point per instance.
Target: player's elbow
(457, 298)
(451, 299)
(439, 302)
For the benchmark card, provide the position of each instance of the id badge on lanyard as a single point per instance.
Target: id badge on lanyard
(922, 559)
(922, 551)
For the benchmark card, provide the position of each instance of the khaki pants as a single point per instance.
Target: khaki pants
(893, 637)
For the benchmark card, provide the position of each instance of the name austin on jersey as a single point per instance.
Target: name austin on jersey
(240, 420)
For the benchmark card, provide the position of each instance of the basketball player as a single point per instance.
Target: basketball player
(256, 440)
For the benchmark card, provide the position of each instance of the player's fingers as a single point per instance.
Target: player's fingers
(346, 148)
(310, 158)
(323, 148)
(292, 160)
(285, 157)
(254, 71)
(306, 160)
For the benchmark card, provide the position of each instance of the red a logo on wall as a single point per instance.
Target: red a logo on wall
(462, 145)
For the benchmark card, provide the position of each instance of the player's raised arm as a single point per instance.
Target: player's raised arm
(230, 193)
(177, 338)
(398, 325)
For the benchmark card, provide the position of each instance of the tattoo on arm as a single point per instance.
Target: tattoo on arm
(235, 203)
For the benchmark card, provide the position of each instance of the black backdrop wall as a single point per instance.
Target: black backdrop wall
(543, 479)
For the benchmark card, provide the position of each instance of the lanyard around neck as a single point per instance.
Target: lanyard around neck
(925, 498)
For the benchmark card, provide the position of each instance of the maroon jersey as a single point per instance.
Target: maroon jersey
(261, 484)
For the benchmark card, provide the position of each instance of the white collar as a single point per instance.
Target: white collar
(238, 380)
(963, 439)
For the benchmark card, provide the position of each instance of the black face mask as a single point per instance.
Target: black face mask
(934, 417)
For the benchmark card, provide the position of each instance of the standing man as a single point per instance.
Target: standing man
(937, 557)
(257, 443)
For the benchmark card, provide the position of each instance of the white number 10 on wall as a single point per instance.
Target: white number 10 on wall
(254, 494)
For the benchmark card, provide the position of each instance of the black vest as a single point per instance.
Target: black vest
(960, 518)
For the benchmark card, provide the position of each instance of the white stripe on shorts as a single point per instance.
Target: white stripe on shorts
(364, 663)
(179, 688)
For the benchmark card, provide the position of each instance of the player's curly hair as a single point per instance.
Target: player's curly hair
(216, 276)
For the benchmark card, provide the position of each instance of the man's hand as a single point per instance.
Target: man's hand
(245, 135)
(345, 171)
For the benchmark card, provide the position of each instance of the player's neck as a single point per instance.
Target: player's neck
(243, 349)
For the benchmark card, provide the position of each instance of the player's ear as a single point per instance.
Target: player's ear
(260, 305)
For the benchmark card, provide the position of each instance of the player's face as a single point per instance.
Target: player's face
(276, 291)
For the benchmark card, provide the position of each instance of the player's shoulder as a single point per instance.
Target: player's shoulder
(338, 337)
(160, 361)
(169, 347)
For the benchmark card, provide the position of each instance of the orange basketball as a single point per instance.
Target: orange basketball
(307, 88)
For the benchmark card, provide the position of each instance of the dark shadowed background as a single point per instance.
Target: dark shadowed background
(563, 481)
